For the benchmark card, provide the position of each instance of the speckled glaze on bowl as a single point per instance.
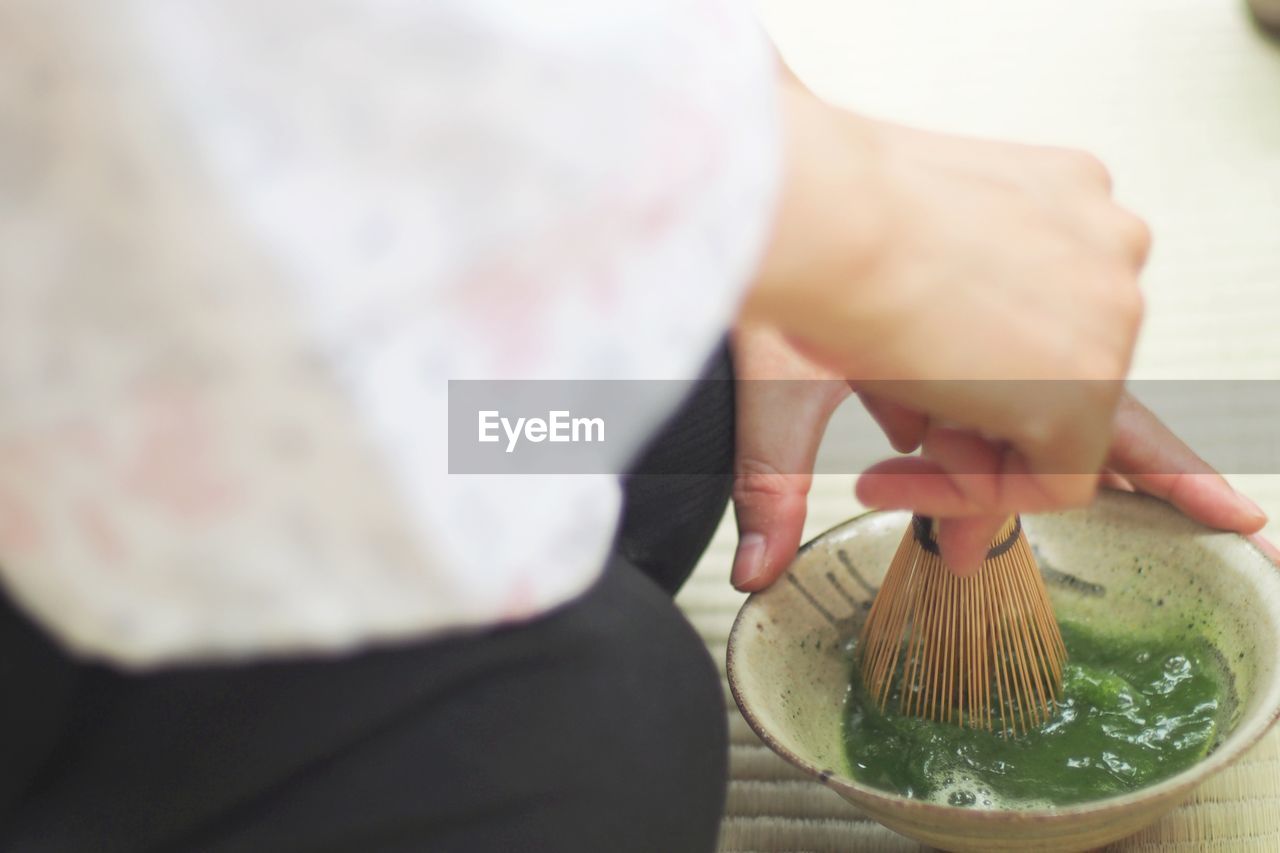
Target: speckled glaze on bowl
(1126, 561)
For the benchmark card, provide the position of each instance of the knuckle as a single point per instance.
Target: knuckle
(1137, 236)
(1130, 305)
(1140, 234)
(984, 492)
(1037, 431)
(1095, 169)
(1088, 167)
(1120, 297)
(755, 477)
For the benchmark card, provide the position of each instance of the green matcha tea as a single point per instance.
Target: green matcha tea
(1133, 712)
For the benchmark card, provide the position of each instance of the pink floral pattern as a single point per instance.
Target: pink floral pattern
(247, 243)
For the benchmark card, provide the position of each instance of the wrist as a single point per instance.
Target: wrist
(828, 231)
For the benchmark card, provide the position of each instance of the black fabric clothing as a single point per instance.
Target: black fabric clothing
(597, 727)
(677, 490)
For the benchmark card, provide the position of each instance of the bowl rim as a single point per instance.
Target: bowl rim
(1178, 783)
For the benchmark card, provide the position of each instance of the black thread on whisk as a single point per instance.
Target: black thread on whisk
(922, 525)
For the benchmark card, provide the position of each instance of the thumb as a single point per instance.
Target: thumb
(770, 509)
(780, 425)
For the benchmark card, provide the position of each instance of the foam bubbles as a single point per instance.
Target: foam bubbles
(959, 788)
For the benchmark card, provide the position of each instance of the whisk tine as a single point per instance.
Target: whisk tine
(946, 652)
(1017, 645)
(969, 650)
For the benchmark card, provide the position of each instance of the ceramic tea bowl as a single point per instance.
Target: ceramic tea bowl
(1127, 560)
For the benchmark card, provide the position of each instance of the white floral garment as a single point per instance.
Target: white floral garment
(245, 243)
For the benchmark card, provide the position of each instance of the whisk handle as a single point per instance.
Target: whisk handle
(922, 525)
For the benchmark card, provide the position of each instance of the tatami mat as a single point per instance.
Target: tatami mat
(1182, 98)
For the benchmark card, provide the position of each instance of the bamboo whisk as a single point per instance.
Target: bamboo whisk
(980, 651)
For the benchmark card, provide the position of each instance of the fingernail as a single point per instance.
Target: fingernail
(1249, 506)
(748, 562)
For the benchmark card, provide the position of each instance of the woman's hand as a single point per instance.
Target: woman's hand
(781, 423)
(961, 479)
(917, 257)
